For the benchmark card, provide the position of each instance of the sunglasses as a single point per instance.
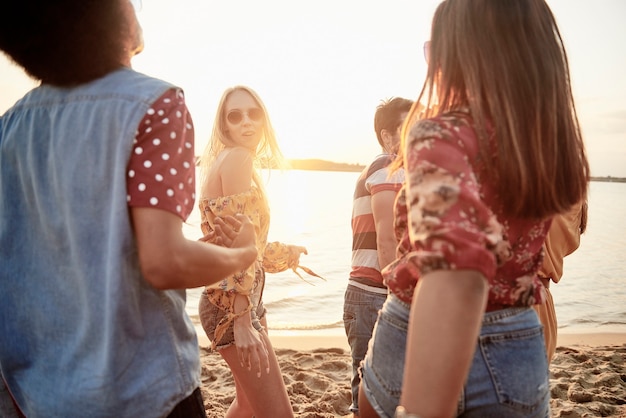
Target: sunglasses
(236, 116)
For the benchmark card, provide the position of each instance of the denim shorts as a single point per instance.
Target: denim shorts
(211, 315)
(509, 376)
(360, 310)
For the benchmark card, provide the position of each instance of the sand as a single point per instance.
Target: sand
(587, 376)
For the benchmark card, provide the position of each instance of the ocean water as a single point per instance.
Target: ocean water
(313, 209)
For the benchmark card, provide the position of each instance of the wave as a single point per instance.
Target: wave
(307, 327)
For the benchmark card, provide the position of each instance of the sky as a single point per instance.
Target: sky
(323, 66)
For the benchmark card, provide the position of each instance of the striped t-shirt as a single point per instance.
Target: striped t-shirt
(374, 178)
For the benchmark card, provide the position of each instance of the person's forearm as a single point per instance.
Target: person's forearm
(382, 211)
(386, 250)
(195, 264)
(241, 303)
(170, 261)
(444, 324)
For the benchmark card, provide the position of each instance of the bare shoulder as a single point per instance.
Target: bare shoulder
(237, 155)
(231, 169)
(236, 170)
(236, 160)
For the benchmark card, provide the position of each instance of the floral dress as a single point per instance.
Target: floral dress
(273, 257)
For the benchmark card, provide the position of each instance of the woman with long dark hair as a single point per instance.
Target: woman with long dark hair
(498, 153)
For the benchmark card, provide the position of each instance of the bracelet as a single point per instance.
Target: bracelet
(401, 413)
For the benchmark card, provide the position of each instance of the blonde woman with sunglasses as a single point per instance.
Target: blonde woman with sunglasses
(232, 312)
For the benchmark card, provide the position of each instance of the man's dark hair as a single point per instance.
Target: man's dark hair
(64, 42)
(388, 115)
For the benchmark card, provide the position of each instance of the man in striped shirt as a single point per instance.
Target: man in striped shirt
(373, 240)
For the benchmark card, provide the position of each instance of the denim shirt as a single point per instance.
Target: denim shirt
(81, 332)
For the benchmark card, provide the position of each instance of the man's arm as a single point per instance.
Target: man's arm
(382, 210)
(170, 261)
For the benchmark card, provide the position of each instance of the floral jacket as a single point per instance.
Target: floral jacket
(447, 217)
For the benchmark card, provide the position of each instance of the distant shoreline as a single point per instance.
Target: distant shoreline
(610, 179)
(324, 165)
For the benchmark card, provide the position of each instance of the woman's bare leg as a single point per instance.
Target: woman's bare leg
(264, 396)
(240, 407)
(365, 409)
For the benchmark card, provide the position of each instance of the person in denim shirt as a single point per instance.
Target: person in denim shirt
(97, 176)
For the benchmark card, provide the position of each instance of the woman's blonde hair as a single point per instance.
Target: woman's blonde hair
(267, 154)
(506, 62)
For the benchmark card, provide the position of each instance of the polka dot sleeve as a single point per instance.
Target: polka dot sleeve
(161, 171)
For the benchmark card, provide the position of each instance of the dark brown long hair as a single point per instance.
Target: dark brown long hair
(505, 61)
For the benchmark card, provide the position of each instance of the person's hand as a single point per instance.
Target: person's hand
(210, 238)
(234, 231)
(251, 349)
(295, 251)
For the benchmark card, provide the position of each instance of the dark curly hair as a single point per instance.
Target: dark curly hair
(65, 42)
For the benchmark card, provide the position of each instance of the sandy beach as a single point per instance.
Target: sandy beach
(587, 376)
